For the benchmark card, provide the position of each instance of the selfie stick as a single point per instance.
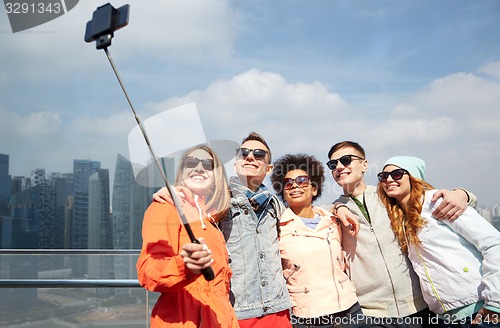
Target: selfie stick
(105, 16)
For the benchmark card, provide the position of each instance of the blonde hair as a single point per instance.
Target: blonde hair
(406, 222)
(217, 204)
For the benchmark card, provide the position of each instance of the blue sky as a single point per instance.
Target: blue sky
(415, 78)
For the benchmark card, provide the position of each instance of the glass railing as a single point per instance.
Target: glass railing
(72, 288)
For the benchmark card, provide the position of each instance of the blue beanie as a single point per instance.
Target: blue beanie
(414, 165)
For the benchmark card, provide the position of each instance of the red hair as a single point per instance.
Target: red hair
(406, 221)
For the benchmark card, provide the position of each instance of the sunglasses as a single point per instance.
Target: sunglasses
(302, 181)
(192, 162)
(345, 160)
(396, 174)
(258, 154)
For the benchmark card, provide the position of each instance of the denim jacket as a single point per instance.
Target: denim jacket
(258, 287)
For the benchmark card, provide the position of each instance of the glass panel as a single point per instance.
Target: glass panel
(66, 307)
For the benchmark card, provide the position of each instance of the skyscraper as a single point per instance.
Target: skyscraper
(130, 200)
(100, 234)
(82, 170)
(5, 184)
(99, 222)
(124, 177)
(55, 192)
(37, 177)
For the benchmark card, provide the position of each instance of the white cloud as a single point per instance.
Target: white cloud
(492, 69)
(450, 123)
(471, 101)
(262, 101)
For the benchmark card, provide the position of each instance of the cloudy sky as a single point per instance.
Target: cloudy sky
(419, 77)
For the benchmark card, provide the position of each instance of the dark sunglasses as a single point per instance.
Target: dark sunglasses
(301, 181)
(259, 154)
(192, 162)
(345, 160)
(396, 174)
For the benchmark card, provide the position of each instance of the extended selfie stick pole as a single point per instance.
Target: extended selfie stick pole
(103, 41)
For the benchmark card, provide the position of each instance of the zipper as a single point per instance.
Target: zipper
(381, 254)
(332, 261)
(434, 291)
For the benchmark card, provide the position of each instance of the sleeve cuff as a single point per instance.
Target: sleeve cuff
(491, 308)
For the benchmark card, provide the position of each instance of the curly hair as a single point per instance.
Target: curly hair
(307, 163)
(406, 222)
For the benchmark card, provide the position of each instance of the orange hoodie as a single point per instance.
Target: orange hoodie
(186, 300)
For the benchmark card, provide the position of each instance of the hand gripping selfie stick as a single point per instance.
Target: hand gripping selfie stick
(105, 20)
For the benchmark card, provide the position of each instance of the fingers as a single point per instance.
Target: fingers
(162, 196)
(452, 206)
(437, 195)
(347, 218)
(356, 227)
(351, 222)
(449, 212)
(158, 198)
(196, 256)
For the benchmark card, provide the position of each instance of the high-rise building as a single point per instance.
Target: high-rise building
(100, 234)
(124, 178)
(5, 184)
(82, 170)
(130, 200)
(18, 224)
(25, 209)
(55, 192)
(19, 217)
(37, 177)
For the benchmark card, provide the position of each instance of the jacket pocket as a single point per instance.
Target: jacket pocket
(347, 284)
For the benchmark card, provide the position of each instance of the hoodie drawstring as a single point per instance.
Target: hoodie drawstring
(200, 214)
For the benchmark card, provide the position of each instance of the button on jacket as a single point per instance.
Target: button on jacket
(313, 265)
(257, 285)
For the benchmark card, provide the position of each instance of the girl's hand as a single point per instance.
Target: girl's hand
(196, 256)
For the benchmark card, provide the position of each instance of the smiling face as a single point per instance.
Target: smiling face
(198, 179)
(350, 177)
(398, 189)
(252, 171)
(298, 198)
